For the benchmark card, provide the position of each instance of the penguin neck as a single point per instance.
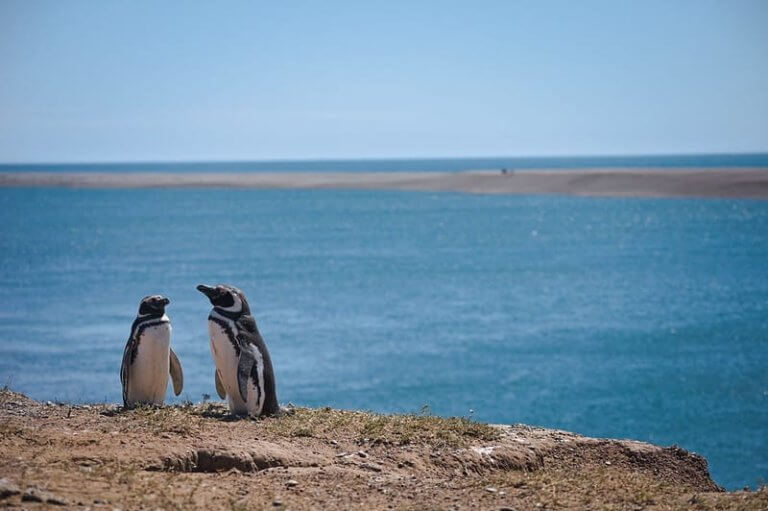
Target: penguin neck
(152, 315)
(230, 315)
(143, 320)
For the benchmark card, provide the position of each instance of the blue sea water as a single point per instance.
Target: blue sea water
(628, 318)
(411, 164)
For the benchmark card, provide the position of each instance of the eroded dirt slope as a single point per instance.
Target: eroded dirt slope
(196, 456)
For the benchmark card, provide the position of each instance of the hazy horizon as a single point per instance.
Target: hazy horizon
(389, 158)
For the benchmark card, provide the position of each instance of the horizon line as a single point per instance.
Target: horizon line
(388, 158)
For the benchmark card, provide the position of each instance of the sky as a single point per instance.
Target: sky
(183, 81)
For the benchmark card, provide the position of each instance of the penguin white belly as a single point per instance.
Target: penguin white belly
(226, 361)
(149, 372)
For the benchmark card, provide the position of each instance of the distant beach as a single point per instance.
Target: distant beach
(602, 182)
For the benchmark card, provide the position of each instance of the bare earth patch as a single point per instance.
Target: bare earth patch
(198, 457)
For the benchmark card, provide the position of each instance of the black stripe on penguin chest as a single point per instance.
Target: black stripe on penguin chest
(229, 332)
(138, 333)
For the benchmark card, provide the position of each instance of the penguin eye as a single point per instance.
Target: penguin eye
(225, 299)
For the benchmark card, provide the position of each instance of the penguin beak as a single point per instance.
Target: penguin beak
(207, 291)
(165, 301)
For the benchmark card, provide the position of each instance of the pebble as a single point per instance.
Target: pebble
(291, 483)
(32, 495)
(277, 502)
(362, 454)
(491, 489)
(607, 462)
(372, 466)
(333, 442)
(56, 501)
(35, 495)
(8, 489)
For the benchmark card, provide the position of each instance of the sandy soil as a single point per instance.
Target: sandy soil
(198, 457)
(746, 183)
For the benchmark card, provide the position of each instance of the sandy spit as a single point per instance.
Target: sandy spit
(736, 182)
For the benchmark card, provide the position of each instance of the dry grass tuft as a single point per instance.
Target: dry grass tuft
(610, 489)
(167, 419)
(6, 395)
(388, 429)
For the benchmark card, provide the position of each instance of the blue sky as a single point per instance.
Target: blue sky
(156, 81)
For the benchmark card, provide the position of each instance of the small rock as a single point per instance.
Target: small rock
(342, 454)
(372, 466)
(362, 454)
(277, 502)
(507, 509)
(32, 495)
(607, 462)
(56, 501)
(290, 483)
(99, 501)
(490, 489)
(8, 489)
(333, 442)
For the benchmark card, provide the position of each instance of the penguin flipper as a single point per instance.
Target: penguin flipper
(125, 369)
(244, 366)
(219, 386)
(177, 375)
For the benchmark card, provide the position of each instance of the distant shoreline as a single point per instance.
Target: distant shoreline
(600, 182)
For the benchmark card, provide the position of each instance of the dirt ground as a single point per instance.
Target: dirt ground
(62, 456)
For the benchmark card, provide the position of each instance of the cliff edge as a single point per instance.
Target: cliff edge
(198, 457)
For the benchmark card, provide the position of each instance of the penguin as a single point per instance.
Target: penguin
(148, 357)
(244, 375)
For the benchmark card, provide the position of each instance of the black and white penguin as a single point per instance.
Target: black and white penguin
(148, 357)
(244, 375)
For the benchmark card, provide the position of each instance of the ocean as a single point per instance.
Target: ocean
(610, 317)
(411, 164)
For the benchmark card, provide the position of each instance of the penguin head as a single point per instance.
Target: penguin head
(226, 298)
(153, 304)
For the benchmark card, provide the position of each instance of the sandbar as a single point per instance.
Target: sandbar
(647, 182)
